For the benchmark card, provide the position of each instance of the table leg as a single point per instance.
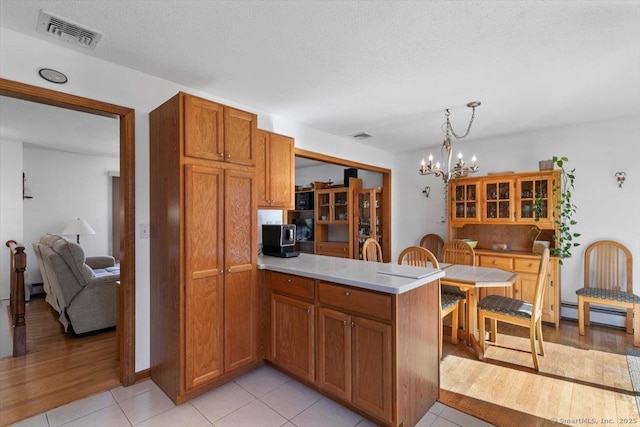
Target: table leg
(472, 304)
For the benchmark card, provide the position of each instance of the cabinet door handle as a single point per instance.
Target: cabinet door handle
(344, 322)
(221, 271)
(347, 293)
(228, 270)
(308, 310)
(288, 280)
(353, 323)
(221, 155)
(228, 156)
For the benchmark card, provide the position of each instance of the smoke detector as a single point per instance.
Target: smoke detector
(360, 136)
(68, 31)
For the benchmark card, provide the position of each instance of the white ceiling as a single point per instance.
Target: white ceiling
(389, 68)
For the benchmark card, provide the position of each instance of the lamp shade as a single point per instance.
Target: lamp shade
(77, 227)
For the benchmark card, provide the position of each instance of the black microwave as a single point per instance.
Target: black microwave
(304, 201)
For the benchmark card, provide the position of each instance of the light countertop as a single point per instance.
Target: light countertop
(383, 277)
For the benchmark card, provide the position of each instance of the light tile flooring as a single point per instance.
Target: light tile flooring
(263, 397)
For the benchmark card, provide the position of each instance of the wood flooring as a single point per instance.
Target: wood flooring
(582, 380)
(57, 369)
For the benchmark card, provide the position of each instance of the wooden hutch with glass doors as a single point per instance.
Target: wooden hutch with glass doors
(504, 212)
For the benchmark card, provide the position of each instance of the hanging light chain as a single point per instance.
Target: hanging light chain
(450, 128)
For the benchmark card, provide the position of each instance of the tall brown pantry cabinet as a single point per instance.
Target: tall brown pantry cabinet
(204, 301)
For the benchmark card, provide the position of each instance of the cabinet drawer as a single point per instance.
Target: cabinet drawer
(357, 300)
(330, 248)
(526, 265)
(503, 263)
(288, 284)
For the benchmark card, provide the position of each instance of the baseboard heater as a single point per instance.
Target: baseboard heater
(599, 315)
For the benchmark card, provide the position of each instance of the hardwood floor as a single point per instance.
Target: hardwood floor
(581, 379)
(58, 368)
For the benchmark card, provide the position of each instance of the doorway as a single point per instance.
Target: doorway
(125, 325)
(386, 185)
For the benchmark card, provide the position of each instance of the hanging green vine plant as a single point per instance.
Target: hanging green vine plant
(563, 214)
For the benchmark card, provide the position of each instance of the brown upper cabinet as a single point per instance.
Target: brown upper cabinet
(275, 170)
(524, 198)
(216, 132)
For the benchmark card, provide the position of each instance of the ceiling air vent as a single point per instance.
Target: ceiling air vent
(68, 31)
(362, 135)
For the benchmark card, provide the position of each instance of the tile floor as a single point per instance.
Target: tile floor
(263, 397)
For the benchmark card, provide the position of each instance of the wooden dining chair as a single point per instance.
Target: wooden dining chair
(517, 312)
(459, 252)
(608, 268)
(418, 256)
(421, 257)
(433, 243)
(371, 250)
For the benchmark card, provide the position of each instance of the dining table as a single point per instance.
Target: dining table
(470, 279)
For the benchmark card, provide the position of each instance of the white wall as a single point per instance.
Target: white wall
(67, 186)
(10, 206)
(596, 150)
(20, 58)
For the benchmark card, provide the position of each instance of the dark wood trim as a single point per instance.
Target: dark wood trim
(338, 161)
(386, 184)
(127, 197)
(143, 375)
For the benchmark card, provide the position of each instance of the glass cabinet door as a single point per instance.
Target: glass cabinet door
(341, 206)
(368, 214)
(323, 206)
(364, 214)
(498, 201)
(534, 201)
(465, 206)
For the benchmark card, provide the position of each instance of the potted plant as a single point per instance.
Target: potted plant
(562, 214)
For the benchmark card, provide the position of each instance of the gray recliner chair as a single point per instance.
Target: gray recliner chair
(82, 290)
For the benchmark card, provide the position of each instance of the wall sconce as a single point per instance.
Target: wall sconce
(26, 192)
(620, 178)
(426, 191)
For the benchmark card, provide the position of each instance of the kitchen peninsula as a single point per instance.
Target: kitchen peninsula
(364, 333)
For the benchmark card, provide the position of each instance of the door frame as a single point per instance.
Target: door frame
(125, 327)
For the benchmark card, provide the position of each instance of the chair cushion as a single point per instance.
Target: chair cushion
(449, 300)
(608, 294)
(505, 305)
(453, 290)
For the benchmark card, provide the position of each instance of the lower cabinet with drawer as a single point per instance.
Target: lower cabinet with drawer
(354, 352)
(373, 352)
(291, 334)
(526, 265)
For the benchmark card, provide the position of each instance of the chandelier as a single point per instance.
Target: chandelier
(459, 169)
